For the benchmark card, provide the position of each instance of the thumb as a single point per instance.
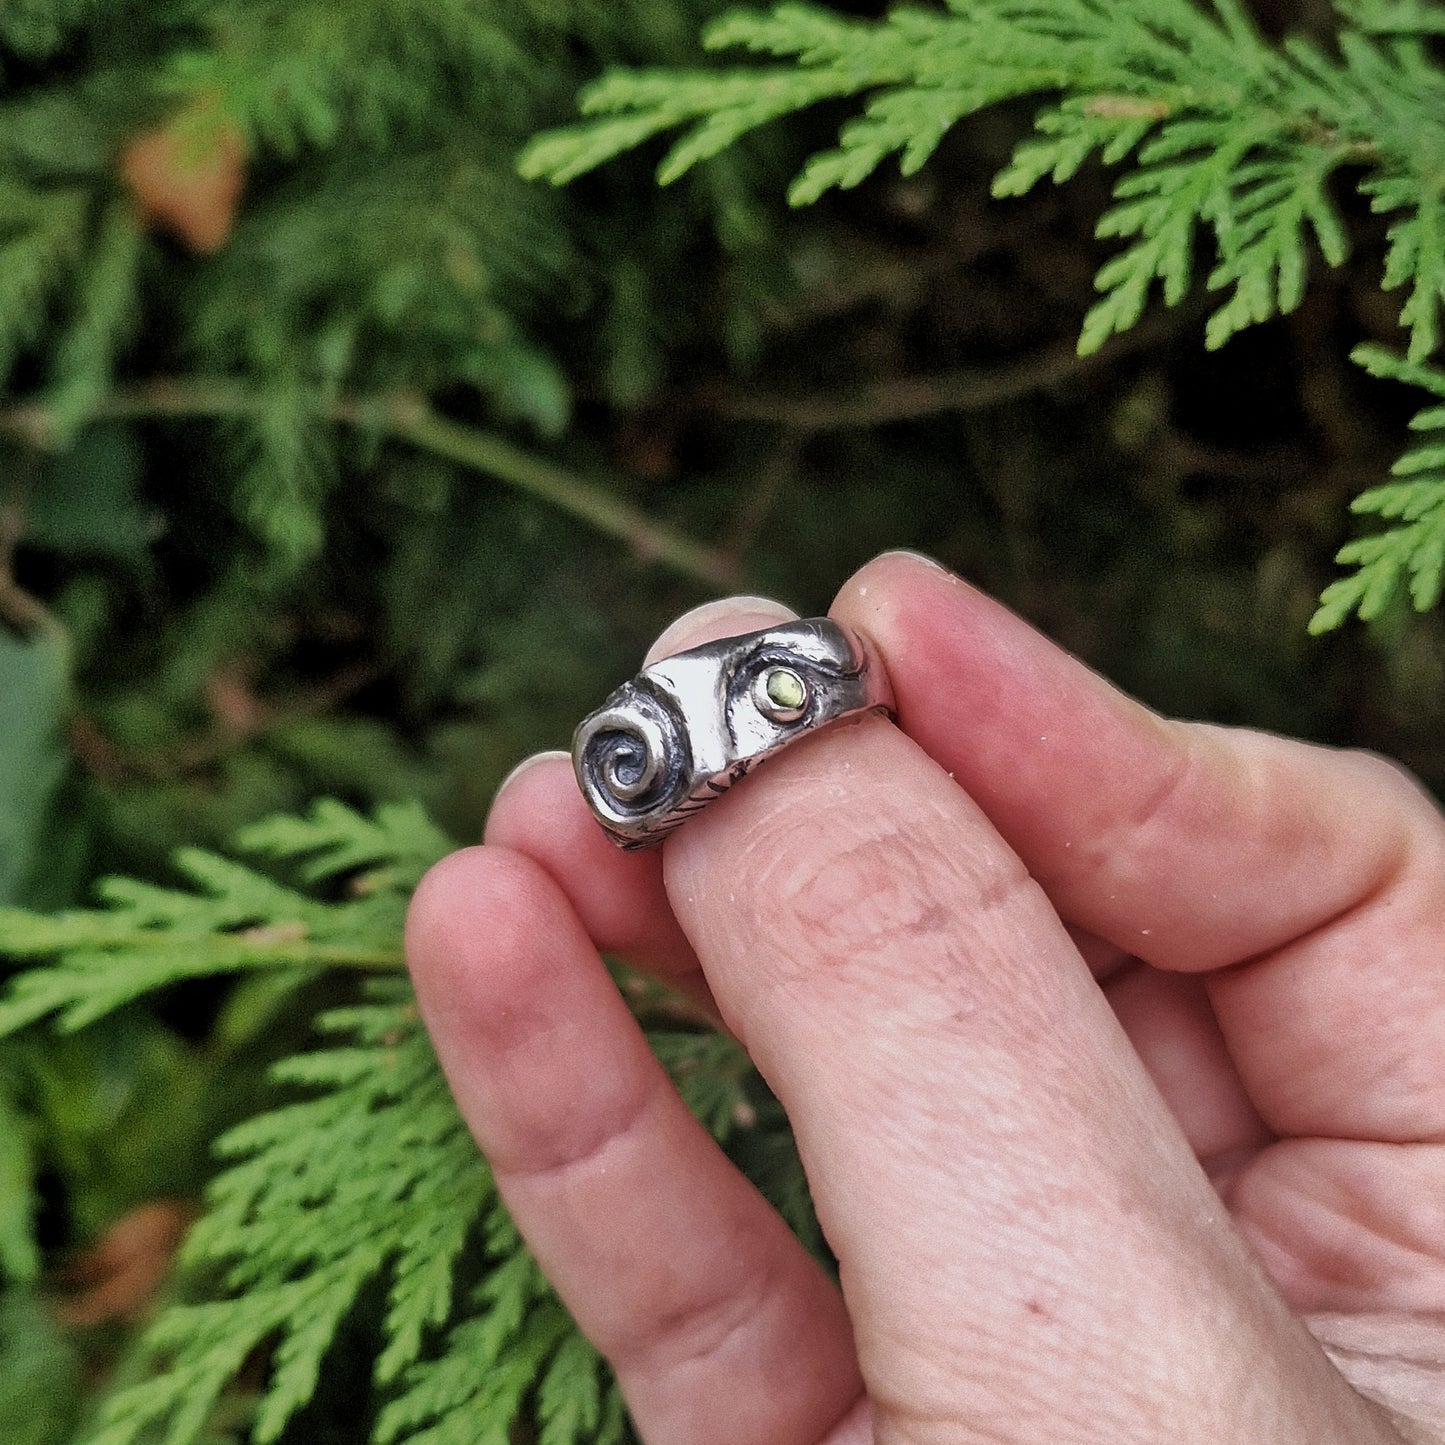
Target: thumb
(1028, 1248)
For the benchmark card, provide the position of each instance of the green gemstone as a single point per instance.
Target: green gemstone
(786, 690)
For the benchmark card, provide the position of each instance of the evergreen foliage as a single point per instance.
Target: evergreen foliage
(402, 258)
(375, 1175)
(1411, 555)
(1225, 136)
(152, 937)
(275, 312)
(366, 1178)
(336, 457)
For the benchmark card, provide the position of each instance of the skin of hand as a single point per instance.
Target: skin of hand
(1114, 1048)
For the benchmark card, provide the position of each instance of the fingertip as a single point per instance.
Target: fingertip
(455, 889)
(928, 625)
(429, 913)
(888, 580)
(474, 918)
(551, 757)
(619, 897)
(725, 617)
(539, 798)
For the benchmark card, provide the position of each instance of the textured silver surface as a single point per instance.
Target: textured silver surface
(684, 730)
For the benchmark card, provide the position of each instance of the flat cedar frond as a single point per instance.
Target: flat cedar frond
(511, 1343)
(1416, 258)
(19, 1251)
(1244, 137)
(398, 839)
(234, 920)
(437, 246)
(711, 1072)
(1226, 137)
(104, 312)
(393, 251)
(1394, 17)
(1411, 554)
(237, 920)
(375, 1175)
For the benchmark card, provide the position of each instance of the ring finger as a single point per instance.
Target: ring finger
(718, 1323)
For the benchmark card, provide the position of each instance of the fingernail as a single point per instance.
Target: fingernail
(726, 617)
(922, 557)
(531, 762)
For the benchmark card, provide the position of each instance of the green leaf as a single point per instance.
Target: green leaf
(42, 238)
(1416, 256)
(470, 1396)
(1070, 133)
(288, 472)
(334, 839)
(103, 317)
(370, 1177)
(1379, 361)
(711, 1072)
(51, 132)
(1237, 138)
(1394, 17)
(1271, 208)
(569, 1399)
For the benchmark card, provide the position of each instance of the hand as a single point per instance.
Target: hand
(1114, 1047)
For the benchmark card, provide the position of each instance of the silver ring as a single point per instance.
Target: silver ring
(684, 730)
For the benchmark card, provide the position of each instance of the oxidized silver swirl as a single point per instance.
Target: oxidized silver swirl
(684, 730)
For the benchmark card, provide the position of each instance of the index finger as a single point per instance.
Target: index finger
(1196, 848)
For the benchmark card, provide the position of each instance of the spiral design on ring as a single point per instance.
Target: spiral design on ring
(634, 757)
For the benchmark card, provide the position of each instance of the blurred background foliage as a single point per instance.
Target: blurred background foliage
(336, 459)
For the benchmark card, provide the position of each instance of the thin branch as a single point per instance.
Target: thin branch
(910, 398)
(409, 419)
(650, 540)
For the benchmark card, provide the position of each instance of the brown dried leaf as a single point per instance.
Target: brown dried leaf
(187, 176)
(118, 1276)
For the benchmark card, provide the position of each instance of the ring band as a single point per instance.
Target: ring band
(684, 730)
